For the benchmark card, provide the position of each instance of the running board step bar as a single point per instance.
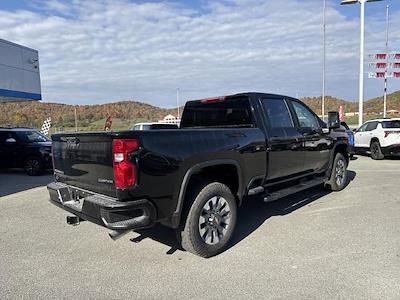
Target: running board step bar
(294, 189)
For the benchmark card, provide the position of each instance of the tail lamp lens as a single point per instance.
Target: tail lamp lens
(124, 169)
(387, 133)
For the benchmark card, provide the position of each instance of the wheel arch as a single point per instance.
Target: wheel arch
(339, 148)
(233, 180)
(374, 139)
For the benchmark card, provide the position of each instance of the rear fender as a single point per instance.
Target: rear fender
(176, 217)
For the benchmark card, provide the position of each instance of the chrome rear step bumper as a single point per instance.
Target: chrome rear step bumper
(103, 210)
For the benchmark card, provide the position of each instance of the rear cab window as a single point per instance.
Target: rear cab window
(218, 112)
(278, 117)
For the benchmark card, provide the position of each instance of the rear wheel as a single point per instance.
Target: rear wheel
(376, 151)
(338, 180)
(209, 220)
(33, 166)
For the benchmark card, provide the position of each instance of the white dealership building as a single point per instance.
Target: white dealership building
(19, 73)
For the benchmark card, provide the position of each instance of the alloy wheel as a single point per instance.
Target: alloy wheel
(214, 220)
(340, 172)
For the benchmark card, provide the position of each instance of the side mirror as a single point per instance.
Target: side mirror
(11, 140)
(333, 120)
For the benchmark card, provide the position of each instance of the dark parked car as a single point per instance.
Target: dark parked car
(194, 178)
(25, 148)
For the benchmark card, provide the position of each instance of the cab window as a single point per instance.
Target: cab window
(278, 113)
(306, 118)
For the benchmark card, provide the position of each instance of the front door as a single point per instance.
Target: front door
(315, 142)
(285, 157)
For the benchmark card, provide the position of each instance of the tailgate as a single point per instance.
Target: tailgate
(84, 160)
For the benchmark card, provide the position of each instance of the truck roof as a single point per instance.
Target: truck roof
(383, 119)
(248, 94)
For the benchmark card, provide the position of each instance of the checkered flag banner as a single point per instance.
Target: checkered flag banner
(46, 126)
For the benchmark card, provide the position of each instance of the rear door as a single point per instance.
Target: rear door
(315, 143)
(285, 158)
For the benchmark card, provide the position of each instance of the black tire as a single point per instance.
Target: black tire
(339, 175)
(194, 220)
(33, 166)
(376, 151)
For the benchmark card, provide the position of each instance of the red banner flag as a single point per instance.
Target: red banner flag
(380, 56)
(107, 125)
(341, 113)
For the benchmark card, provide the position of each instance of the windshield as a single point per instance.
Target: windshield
(391, 124)
(32, 136)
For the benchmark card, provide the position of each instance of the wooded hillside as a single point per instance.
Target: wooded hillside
(126, 113)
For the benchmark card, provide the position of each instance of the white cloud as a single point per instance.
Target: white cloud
(95, 51)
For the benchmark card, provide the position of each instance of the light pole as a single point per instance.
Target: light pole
(323, 60)
(362, 40)
(387, 62)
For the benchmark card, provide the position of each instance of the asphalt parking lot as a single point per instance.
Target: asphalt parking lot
(312, 245)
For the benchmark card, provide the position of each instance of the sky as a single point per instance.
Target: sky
(97, 51)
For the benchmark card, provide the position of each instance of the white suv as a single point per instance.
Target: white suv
(379, 137)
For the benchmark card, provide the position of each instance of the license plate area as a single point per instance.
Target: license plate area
(72, 198)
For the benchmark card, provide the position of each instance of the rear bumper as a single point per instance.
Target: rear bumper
(391, 150)
(103, 210)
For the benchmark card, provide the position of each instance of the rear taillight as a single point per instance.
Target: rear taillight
(387, 133)
(124, 169)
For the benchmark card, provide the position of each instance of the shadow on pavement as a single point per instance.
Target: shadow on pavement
(15, 180)
(251, 215)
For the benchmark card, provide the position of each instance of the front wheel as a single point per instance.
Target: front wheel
(209, 220)
(338, 180)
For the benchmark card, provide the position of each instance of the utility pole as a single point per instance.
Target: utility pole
(323, 59)
(76, 121)
(362, 42)
(387, 62)
(177, 101)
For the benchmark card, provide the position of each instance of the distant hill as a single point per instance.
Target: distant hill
(331, 104)
(372, 106)
(376, 105)
(126, 113)
(90, 117)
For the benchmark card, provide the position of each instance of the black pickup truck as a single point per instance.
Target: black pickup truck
(194, 178)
